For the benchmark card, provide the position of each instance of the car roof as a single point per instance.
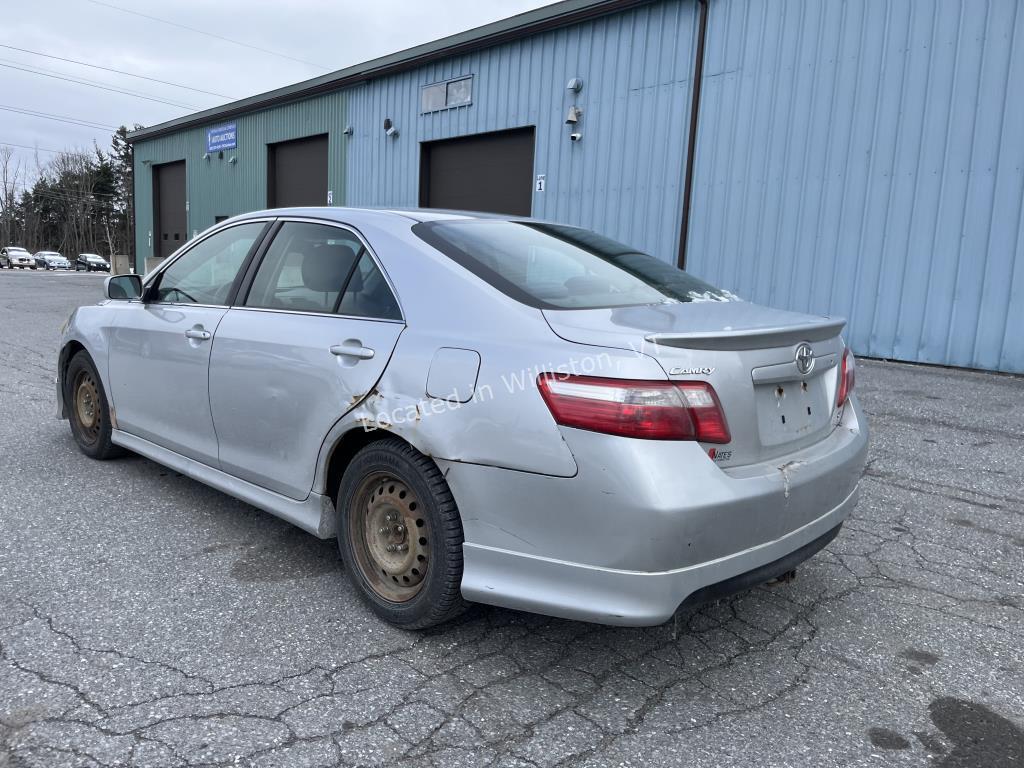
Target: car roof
(356, 215)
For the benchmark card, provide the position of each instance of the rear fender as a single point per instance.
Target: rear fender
(504, 422)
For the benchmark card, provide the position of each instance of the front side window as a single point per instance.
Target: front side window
(550, 266)
(205, 273)
(324, 269)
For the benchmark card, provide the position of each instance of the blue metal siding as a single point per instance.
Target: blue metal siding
(866, 159)
(624, 179)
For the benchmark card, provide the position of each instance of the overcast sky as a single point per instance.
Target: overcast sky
(329, 33)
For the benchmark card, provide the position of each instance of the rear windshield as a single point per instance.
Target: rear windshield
(551, 266)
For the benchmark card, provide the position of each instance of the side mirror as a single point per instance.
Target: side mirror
(123, 287)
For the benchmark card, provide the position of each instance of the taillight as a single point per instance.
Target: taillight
(846, 378)
(651, 410)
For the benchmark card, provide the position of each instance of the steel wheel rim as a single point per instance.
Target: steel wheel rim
(390, 537)
(88, 412)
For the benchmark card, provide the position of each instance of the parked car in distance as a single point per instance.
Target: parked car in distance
(479, 409)
(12, 256)
(91, 262)
(51, 260)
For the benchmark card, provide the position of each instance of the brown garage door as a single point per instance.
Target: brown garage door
(490, 172)
(169, 213)
(297, 172)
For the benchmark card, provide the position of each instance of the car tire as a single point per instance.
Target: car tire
(85, 402)
(390, 486)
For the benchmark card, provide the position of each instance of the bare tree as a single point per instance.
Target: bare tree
(72, 178)
(10, 180)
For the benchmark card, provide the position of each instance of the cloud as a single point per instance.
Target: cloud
(335, 34)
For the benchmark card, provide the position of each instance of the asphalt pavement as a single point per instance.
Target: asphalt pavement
(146, 620)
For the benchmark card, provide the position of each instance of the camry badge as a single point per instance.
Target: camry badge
(699, 371)
(804, 358)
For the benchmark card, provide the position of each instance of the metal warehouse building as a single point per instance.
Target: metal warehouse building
(864, 159)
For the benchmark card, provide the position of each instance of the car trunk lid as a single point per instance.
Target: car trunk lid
(774, 404)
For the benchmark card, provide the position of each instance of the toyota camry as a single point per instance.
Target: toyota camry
(479, 409)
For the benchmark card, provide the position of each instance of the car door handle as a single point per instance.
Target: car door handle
(353, 349)
(198, 333)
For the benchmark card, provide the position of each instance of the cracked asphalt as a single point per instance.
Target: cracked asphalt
(146, 620)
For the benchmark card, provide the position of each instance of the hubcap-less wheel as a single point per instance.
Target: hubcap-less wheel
(390, 538)
(87, 406)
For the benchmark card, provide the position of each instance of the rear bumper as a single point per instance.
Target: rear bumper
(645, 524)
(633, 598)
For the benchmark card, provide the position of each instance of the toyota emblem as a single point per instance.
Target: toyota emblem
(804, 358)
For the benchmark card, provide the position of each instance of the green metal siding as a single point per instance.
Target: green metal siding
(216, 187)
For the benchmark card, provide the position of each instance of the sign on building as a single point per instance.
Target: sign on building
(222, 137)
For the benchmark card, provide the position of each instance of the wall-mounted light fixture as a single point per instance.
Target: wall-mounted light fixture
(574, 115)
(349, 130)
(389, 128)
(206, 156)
(575, 85)
(232, 159)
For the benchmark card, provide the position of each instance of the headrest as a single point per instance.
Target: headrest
(324, 268)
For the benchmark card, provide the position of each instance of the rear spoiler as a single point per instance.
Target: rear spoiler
(751, 338)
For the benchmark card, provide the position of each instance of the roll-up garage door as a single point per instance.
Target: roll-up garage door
(297, 172)
(170, 214)
(490, 172)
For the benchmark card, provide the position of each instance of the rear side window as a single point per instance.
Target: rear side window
(205, 273)
(367, 293)
(551, 266)
(318, 268)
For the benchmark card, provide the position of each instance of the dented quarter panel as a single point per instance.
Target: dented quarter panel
(506, 424)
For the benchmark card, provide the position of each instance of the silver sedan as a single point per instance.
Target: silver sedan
(479, 409)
